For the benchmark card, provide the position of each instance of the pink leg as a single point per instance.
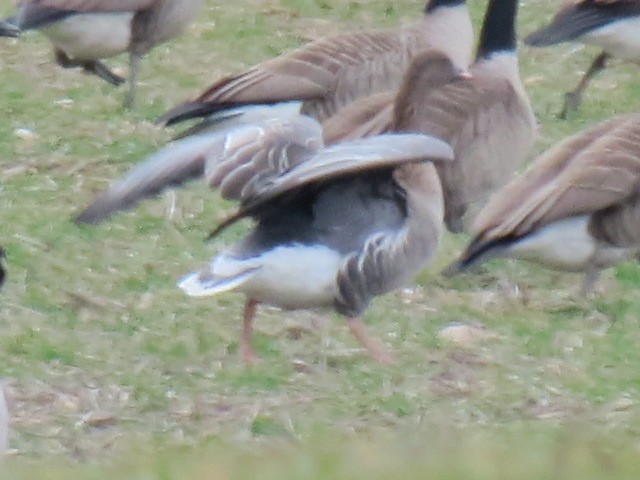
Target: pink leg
(371, 345)
(248, 355)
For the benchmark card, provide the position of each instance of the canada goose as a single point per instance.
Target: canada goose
(326, 74)
(612, 25)
(334, 226)
(487, 118)
(83, 32)
(577, 209)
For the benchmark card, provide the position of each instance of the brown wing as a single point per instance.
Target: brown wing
(372, 115)
(375, 114)
(596, 169)
(578, 18)
(332, 71)
(541, 172)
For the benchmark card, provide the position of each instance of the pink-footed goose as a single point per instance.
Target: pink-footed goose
(85, 31)
(612, 25)
(576, 209)
(335, 226)
(487, 118)
(326, 74)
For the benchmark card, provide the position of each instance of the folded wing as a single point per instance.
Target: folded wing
(594, 170)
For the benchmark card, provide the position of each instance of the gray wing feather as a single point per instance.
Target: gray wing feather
(175, 164)
(359, 156)
(231, 161)
(352, 157)
(256, 154)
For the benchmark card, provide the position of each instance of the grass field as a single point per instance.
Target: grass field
(107, 363)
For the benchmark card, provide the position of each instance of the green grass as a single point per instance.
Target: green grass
(107, 363)
(540, 454)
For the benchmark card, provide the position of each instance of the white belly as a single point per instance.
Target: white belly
(288, 276)
(91, 36)
(566, 245)
(621, 39)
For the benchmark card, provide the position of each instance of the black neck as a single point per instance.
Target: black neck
(435, 4)
(499, 28)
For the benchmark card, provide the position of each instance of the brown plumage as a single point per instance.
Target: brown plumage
(487, 118)
(383, 112)
(612, 25)
(576, 209)
(335, 226)
(364, 117)
(84, 31)
(329, 73)
(490, 125)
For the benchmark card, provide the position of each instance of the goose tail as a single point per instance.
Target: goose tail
(206, 284)
(175, 164)
(479, 251)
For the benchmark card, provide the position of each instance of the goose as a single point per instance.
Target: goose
(612, 25)
(320, 77)
(85, 31)
(334, 226)
(577, 209)
(485, 116)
